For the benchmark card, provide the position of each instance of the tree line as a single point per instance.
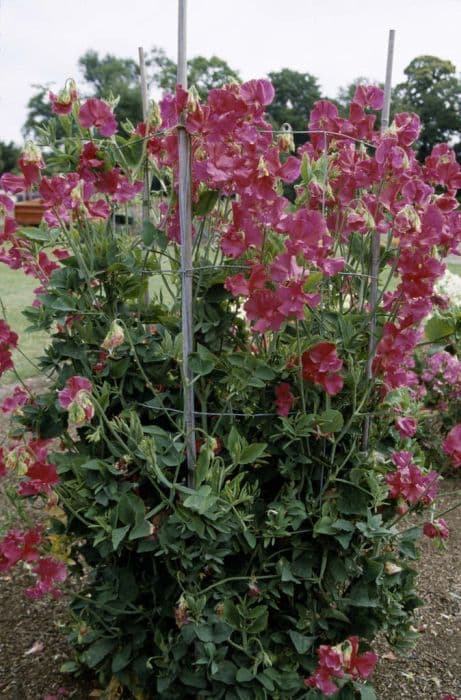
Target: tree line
(432, 89)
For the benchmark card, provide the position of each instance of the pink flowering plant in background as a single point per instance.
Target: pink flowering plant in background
(270, 573)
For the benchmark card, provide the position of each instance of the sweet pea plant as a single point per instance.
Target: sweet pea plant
(271, 574)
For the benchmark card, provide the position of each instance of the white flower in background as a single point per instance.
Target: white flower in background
(450, 286)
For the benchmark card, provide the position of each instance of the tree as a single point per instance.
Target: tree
(203, 73)
(432, 90)
(295, 94)
(9, 154)
(111, 76)
(38, 111)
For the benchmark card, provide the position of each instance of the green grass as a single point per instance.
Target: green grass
(16, 292)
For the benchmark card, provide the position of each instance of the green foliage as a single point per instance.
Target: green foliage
(204, 74)
(432, 89)
(295, 94)
(223, 585)
(9, 154)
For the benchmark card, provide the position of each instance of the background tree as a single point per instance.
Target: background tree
(38, 111)
(295, 94)
(9, 154)
(203, 73)
(111, 76)
(433, 90)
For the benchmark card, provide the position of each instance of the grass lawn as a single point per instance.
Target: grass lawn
(16, 292)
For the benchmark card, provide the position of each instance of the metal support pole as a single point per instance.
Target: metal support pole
(375, 240)
(145, 112)
(185, 223)
(142, 71)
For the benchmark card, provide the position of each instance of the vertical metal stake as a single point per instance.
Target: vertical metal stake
(375, 240)
(145, 111)
(185, 224)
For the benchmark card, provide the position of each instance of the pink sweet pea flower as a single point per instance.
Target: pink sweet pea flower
(284, 399)
(452, 445)
(31, 162)
(49, 572)
(62, 104)
(370, 96)
(97, 113)
(321, 365)
(406, 425)
(436, 530)
(14, 402)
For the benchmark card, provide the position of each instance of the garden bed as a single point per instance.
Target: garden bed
(431, 669)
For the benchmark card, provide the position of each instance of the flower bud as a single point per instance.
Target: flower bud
(391, 568)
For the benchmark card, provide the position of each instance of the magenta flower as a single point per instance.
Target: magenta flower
(284, 399)
(49, 572)
(409, 482)
(8, 340)
(335, 662)
(16, 546)
(452, 445)
(369, 96)
(257, 92)
(14, 402)
(31, 162)
(406, 425)
(321, 365)
(97, 113)
(62, 104)
(436, 530)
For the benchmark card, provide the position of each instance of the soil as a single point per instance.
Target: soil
(33, 646)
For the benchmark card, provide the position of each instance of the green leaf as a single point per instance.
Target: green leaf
(118, 534)
(141, 529)
(203, 361)
(244, 675)
(206, 201)
(202, 465)
(250, 538)
(235, 445)
(330, 421)
(324, 526)
(300, 642)
(121, 659)
(366, 691)
(266, 681)
(352, 500)
(36, 234)
(438, 328)
(97, 651)
(69, 667)
(201, 501)
(251, 453)
(152, 235)
(231, 614)
(260, 615)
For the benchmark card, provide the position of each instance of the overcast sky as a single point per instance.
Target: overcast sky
(335, 40)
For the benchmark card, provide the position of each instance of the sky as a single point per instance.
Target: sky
(335, 40)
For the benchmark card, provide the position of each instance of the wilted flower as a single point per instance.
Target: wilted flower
(76, 398)
(114, 337)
